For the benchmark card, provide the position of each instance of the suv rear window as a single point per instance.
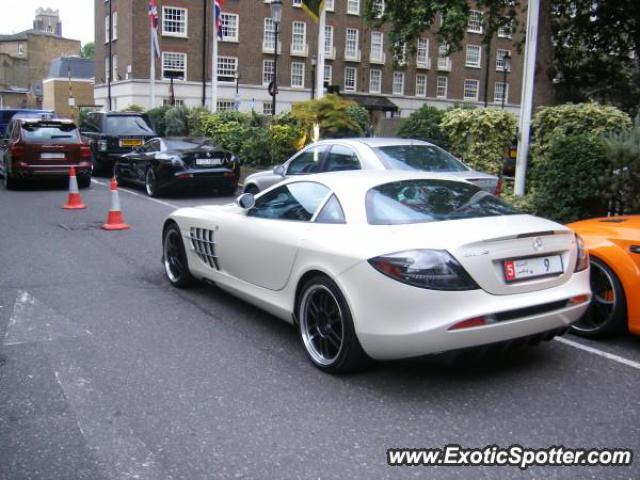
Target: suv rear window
(428, 158)
(127, 125)
(430, 200)
(50, 133)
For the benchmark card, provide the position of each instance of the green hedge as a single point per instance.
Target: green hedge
(480, 137)
(424, 124)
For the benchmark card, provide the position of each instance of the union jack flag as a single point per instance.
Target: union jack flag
(217, 8)
(153, 23)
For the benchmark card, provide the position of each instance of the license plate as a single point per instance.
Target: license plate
(134, 142)
(49, 156)
(533, 267)
(208, 162)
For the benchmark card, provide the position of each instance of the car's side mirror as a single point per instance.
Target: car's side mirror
(279, 170)
(246, 201)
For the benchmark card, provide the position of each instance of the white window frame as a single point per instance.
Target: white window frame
(500, 55)
(329, 51)
(377, 55)
(506, 31)
(268, 34)
(378, 74)
(422, 52)
(348, 53)
(114, 67)
(330, 5)
(297, 3)
(299, 74)
(421, 85)
(298, 39)
(498, 100)
(223, 18)
(353, 7)
(166, 55)
(106, 69)
(267, 108)
(354, 87)
(226, 105)
(442, 86)
(114, 27)
(267, 76)
(328, 73)
(224, 69)
(476, 19)
(444, 61)
(165, 22)
(467, 87)
(106, 28)
(470, 56)
(378, 7)
(398, 80)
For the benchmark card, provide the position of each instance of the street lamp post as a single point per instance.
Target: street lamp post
(505, 69)
(276, 15)
(314, 62)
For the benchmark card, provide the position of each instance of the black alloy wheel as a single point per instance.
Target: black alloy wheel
(326, 328)
(607, 313)
(174, 258)
(151, 182)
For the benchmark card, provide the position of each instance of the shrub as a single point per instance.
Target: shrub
(134, 108)
(256, 148)
(176, 121)
(623, 151)
(576, 184)
(156, 116)
(337, 117)
(284, 141)
(480, 136)
(572, 119)
(424, 124)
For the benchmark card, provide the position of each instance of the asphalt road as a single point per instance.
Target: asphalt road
(107, 372)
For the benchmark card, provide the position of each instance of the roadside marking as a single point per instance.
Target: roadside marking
(34, 321)
(136, 194)
(595, 351)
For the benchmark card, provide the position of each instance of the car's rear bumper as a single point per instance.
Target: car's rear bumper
(393, 320)
(213, 177)
(23, 169)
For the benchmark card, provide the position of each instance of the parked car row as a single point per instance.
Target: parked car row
(348, 233)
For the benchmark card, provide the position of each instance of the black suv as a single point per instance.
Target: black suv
(111, 134)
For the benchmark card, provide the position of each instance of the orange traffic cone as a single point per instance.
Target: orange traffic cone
(73, 200)
(115, 221)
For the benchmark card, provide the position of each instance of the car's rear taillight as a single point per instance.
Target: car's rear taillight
(432, 269)
(470, 323)
(582, 262)
(16, 151)
(85, 152)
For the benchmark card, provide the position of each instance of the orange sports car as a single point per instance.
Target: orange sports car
(614, 249)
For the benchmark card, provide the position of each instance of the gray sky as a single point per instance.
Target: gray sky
(76, 16)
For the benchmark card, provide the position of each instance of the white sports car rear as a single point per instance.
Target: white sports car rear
(385, 264)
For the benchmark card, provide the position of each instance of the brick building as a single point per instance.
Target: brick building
(69, 86)
(359, 58)
(25, 59)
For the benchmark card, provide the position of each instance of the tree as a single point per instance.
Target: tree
(88, 50)
(597, 51)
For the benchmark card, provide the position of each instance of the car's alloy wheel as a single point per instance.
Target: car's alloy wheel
(607, 312)
(326, 327)
(151, 182)
(174, 258)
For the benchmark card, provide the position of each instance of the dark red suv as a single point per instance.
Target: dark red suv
(43, 148)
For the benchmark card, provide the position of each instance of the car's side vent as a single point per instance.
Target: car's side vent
(204, 245)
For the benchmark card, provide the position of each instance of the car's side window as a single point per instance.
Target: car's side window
(294, 201)
(341, 158)
(331, 212)
(307, 162)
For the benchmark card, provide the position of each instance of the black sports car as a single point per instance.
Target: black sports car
(173, 163)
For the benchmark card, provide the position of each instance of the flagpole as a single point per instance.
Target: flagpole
(214, 63)
(320, 69)
(152, 68)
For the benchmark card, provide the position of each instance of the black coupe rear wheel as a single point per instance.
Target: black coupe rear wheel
(607, 313)
(174, 258)
(151, 182)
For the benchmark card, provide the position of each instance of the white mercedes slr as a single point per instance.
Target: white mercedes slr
(385, 264)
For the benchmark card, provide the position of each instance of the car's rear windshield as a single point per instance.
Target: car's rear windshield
(430, 200)
(186, 144)
(127, 125)
(50, 133)
(428, 158)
